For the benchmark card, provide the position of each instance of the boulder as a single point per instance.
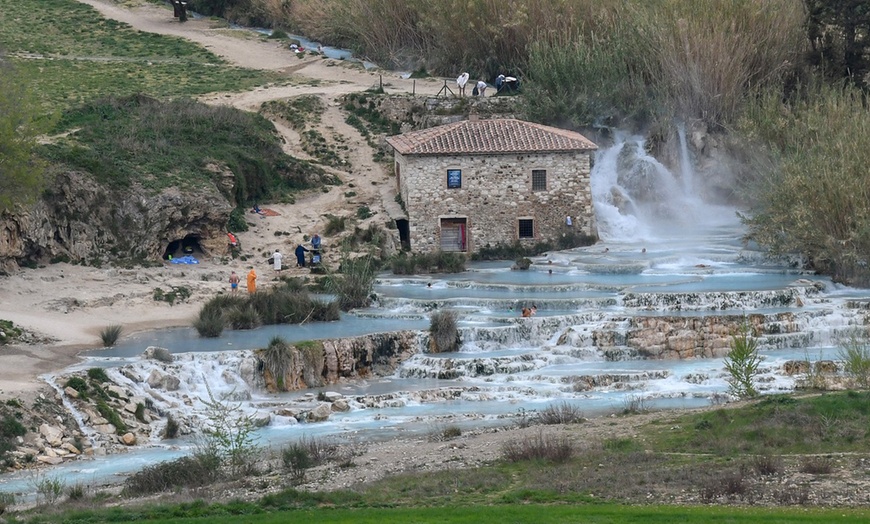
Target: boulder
(128, 439)
(340, 405)
(70, 392)
(53, 461)
(105, 429)
(71, 448)
(320, 413)
(117, 390)
(53, 436)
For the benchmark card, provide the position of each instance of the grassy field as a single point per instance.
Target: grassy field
(69, 54)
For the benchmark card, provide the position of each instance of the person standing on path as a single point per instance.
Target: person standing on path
(300, 255)
(276, 260)
(252, 281)
(234, 281)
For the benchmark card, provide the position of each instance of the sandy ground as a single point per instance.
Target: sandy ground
(67, 306)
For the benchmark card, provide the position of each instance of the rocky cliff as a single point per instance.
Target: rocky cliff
(79, 220)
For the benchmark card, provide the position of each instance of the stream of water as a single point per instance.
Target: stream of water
(663, 252)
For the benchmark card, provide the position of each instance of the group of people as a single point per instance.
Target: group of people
(529, 311)
(277, 261)
(478, 90)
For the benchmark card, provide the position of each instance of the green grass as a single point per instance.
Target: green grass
(779, 424)
(235, 512)
(69, 54)
(172, 144)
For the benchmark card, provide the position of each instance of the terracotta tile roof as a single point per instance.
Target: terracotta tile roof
(488, 137)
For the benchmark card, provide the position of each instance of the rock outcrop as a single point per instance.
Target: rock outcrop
(79, 219)
(312, 365)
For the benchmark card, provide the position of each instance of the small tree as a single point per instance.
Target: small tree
(228, 433)
(742, 363)
(855, 353)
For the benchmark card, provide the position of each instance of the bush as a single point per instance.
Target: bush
(766, 465)
(48, 489)
(277, 358)
(541, 447)
(334, 225)
(855, 354)
(98, 375)
(110, 334)
(297, 459)
(742, 363)
(242, 317)
(171, 429)
(730, 484)
(209, 323)
(79, 384)
(797, 167)
(112, 416)
(563, 413)
(438, 262)
(76, 492)
(443, 332)
(201, 469)
(817, 465)
(354, 284)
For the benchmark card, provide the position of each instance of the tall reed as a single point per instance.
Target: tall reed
(811, 195)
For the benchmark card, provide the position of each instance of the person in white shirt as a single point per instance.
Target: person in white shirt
(276, 260)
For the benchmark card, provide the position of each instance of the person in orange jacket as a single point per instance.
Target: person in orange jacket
(252, 281)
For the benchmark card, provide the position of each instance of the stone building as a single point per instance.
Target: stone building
(475, 183)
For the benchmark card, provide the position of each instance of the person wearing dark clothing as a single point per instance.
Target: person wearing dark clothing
(300, 255)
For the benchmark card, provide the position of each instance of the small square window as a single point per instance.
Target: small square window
(539, 180)
(527, 228)
(454, 178)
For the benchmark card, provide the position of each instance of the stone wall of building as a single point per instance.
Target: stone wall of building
(496, 192)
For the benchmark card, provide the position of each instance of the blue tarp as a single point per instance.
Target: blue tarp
(187, 259)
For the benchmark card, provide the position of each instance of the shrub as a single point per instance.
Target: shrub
(228, 434)
(201, 469)
(634, 404)
(541, 447)
(110, 334)
(237, 222)
(109, 413)
(79, 384)
(209, 323)
(277, 358)
(8, 330)
(48, 489)
(439, 262)
(443, 332)
(729, 484)
(76, 492)
(742, 363)
(171, 429)
(363, 212)
(766, 465)
(817, 465)
(563, 413)
(98, 374)
(447, 433)
(855, 354)
(334, 225)
(10, 427)
(297, 459)
(795, 166)
(243, 317)
(354, 284)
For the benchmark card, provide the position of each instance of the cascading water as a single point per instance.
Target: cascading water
(670, 268)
